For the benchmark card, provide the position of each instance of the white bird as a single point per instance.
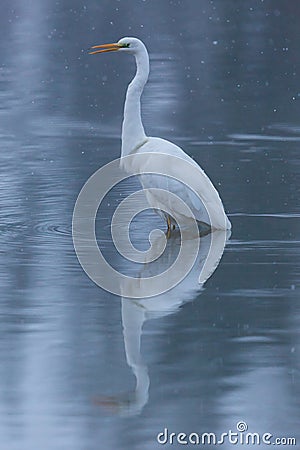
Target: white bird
(135, 142)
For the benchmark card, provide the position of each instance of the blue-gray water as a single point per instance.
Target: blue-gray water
(224, 85)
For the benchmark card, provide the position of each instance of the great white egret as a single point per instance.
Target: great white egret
(135, 141)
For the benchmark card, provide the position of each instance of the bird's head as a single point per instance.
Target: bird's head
(127, 44)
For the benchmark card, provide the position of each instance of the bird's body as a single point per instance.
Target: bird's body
(135, 142)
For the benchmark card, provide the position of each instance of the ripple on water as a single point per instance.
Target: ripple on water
(12, 233)
(262, 137)
(47, 228)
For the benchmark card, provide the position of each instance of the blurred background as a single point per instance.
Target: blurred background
(224, 85)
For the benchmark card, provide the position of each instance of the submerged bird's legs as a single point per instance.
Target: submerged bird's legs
(170, 226)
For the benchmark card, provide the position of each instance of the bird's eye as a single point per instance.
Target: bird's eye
(126, 45)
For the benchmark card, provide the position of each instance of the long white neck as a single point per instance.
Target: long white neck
(133, 133)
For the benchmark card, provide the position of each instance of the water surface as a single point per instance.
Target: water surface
(224, 86)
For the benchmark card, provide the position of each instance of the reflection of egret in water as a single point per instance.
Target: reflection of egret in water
(136, 311)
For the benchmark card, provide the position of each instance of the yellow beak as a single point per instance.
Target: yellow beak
(105, 48)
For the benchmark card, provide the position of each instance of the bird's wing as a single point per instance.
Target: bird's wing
(205, 192)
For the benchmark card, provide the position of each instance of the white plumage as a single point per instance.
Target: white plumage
(135, 142)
